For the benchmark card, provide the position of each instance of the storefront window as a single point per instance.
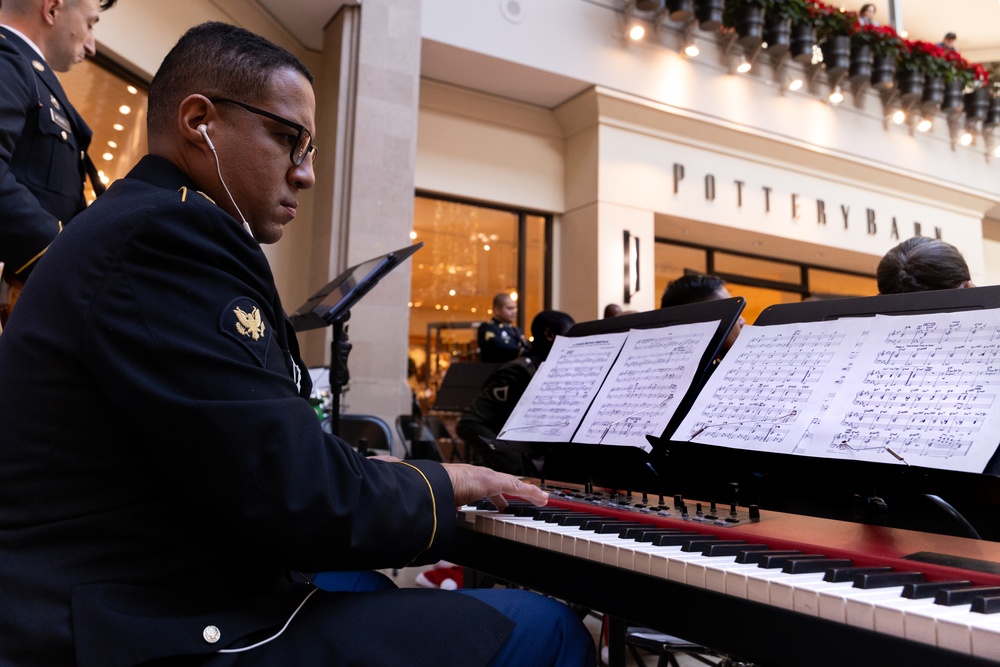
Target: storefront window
(471, 253)
(113, 103)
(761, 281)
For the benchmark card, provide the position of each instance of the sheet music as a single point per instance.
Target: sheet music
(771, 385)
(655, 369)
(562, 388)
(923, 391)
(908, 390)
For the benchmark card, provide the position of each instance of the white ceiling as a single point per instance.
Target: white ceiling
(976, 22)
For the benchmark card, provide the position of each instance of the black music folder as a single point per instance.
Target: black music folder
(335, 299)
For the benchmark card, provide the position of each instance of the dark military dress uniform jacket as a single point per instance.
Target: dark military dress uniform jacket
(42, 145)
(500, 342)
(162, 473)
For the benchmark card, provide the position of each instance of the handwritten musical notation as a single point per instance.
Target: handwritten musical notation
(612, 389)
(908, 390)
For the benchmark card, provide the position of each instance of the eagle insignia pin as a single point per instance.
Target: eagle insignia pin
(38, 66)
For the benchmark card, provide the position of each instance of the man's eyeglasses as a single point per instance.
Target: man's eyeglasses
(303, 142)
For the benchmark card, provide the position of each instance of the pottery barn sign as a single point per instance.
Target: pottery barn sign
(798, 207)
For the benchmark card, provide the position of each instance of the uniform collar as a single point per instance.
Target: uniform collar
(25, 39)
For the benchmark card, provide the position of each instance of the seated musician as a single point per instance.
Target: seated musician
(487, 414)
(163, 475)
(922, 264)
(698, 288)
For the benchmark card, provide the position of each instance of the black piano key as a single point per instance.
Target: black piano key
(987, 604)
(523, 510)
(952, 598)
(723, 549)
(886, 579)
(597, 524)
(675, 540)
(699, 543)
(577, 519)
(928, 589)
(755, 556)
(837, 575)
(646, 534)
(810, 565)
(777, 561)
(618, 527)
(555, 517)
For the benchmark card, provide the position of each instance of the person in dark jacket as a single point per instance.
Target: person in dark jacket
(487, 414)
(43, 140)
(163, 477)
(499, 339)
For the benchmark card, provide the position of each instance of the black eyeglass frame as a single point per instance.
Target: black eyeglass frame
(303, 132)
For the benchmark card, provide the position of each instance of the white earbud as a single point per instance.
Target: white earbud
(204, 132)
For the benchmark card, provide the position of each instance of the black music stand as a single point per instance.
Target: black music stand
(331, 306)
(630, 467)
(865, 491)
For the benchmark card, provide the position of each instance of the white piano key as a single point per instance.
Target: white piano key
(860, 609)
(781, 590)
(677, 568)
(805, 598)
(986, 636)
(920, 624)
(890, 614)
(654, 560)
(833, 601)
(696, 572)
(716, 573)
(759, 582)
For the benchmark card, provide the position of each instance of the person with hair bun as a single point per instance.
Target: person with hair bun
(922, 264)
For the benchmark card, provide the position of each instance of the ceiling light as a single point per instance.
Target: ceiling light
(692, 50)
(898, 116)
(744, 65)
(636, 32)
(837, 96)
(795, 84)
(924, 125)
(965, 139)
(125, 109)
(996, 151)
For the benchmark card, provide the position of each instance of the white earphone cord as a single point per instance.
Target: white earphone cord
(275, 635)
(218, 167)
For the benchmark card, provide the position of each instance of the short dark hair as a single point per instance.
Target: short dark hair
(691, 288)
(217, 60)
(555, 321)
(865, 7)
(921, 264)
